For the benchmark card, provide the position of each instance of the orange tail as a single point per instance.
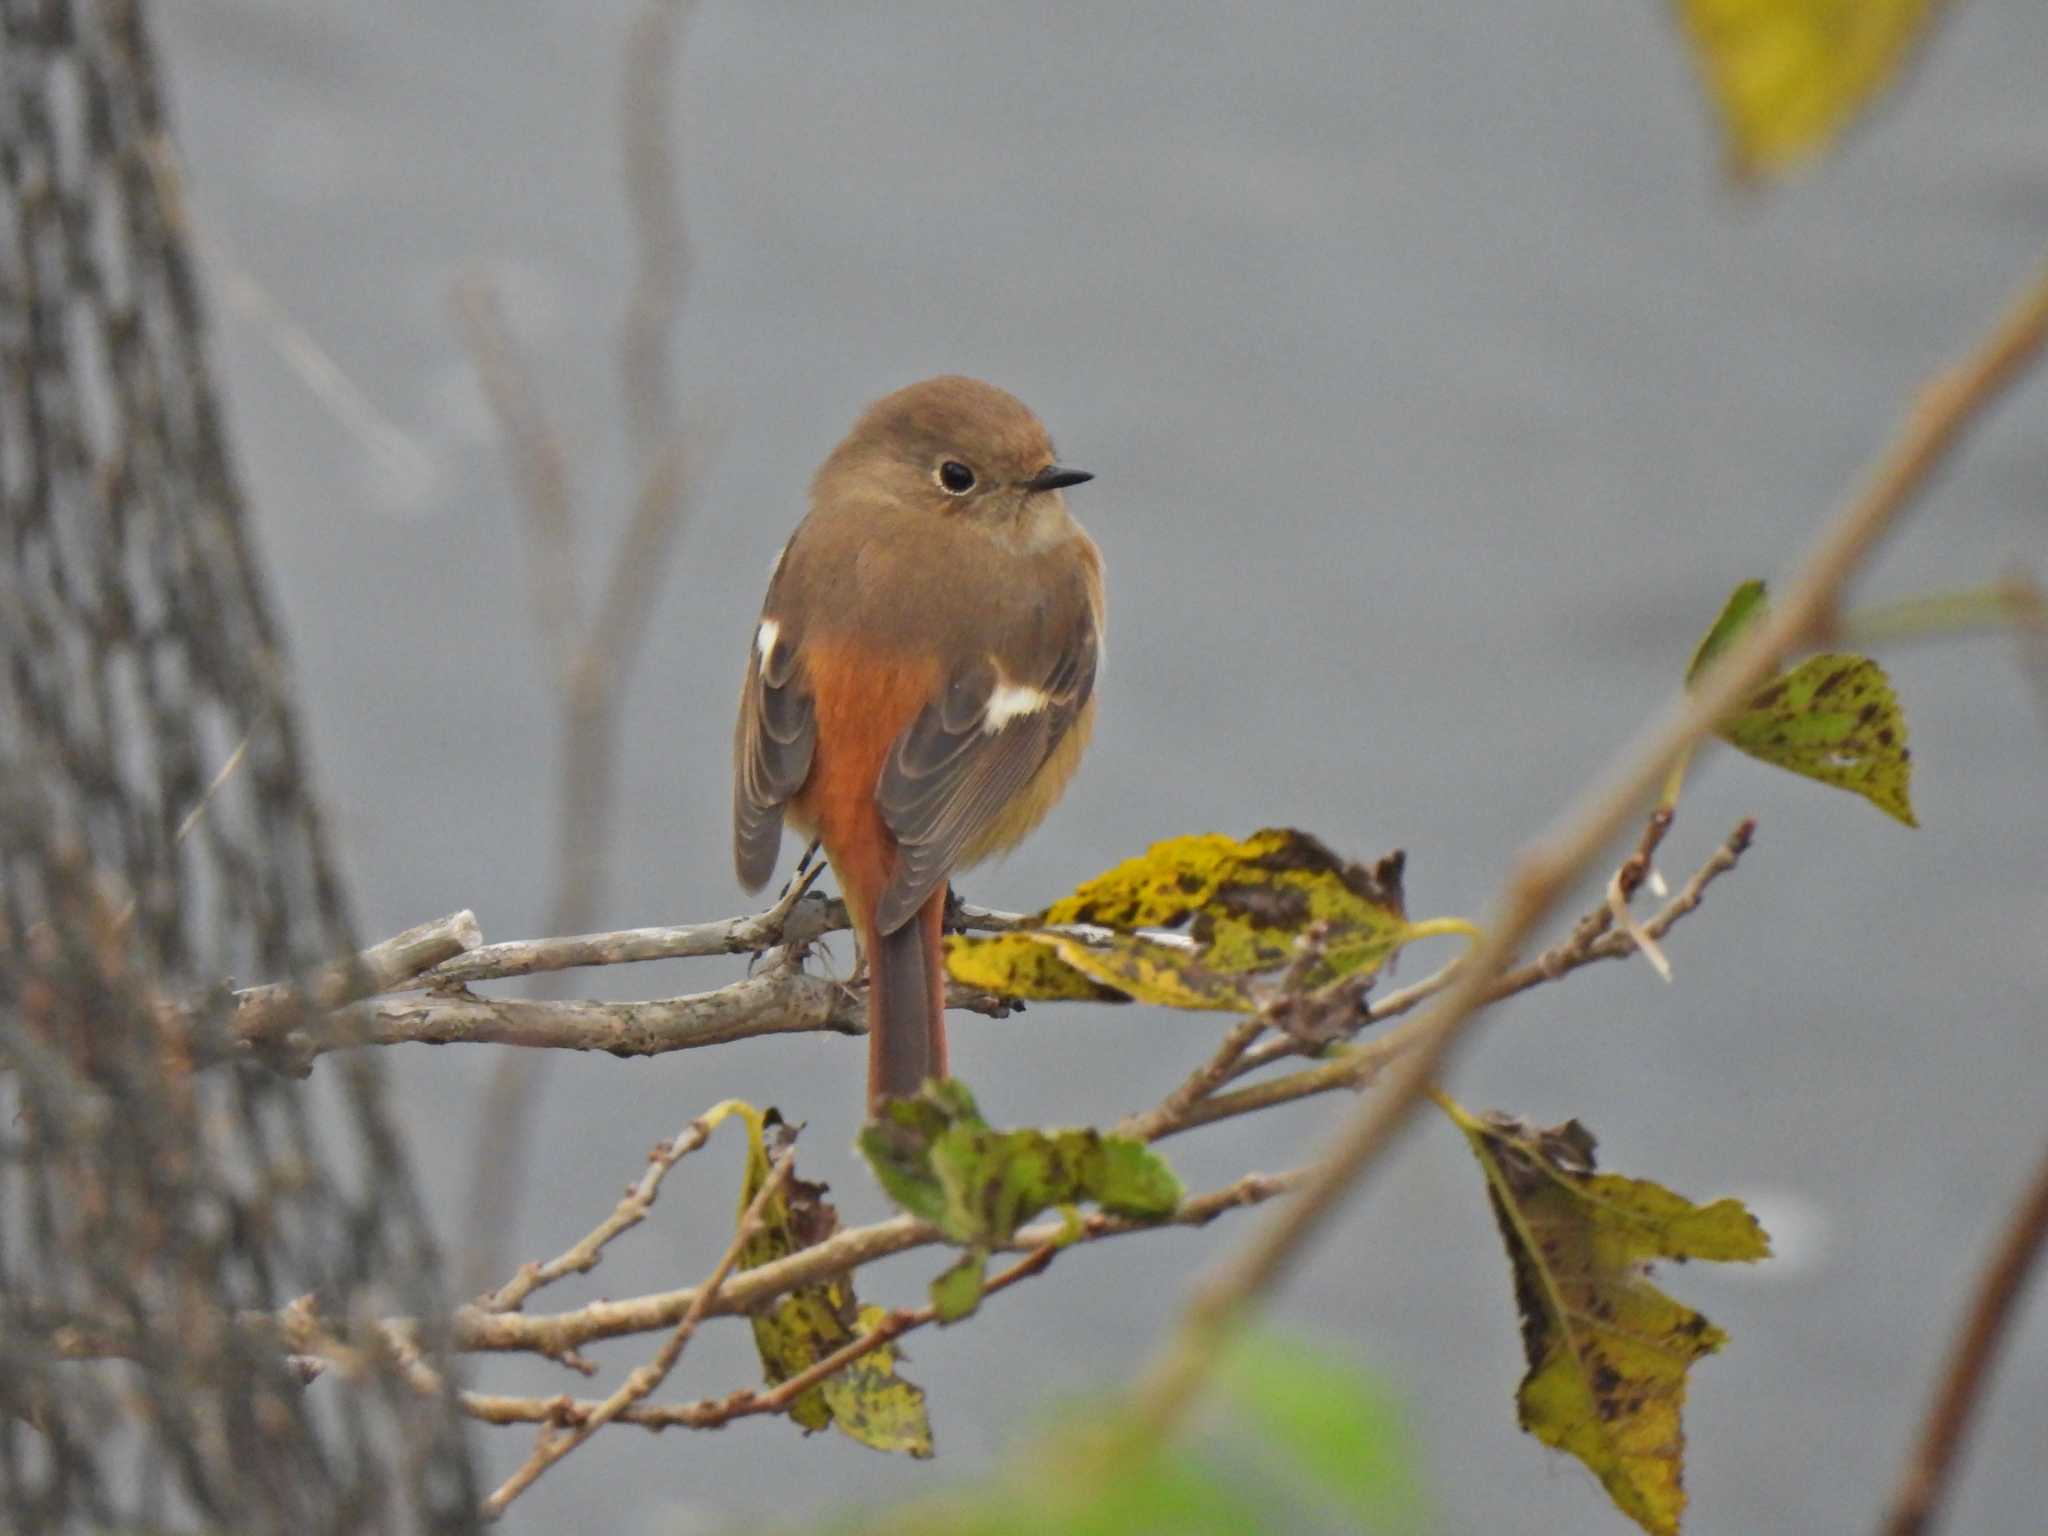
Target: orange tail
(906, 1004)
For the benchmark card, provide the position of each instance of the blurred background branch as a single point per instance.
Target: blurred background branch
(591, 653)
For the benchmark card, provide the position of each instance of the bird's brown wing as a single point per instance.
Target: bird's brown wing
(960, 764)
(772, 747)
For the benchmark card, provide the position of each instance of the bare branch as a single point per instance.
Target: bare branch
(1175, 1108)
(780, 998)
(778, 1001)
(618, 626)
(649, 1377)
(592, 658)
(1984, 1329)
(627, 1214)
(539, 461)
(260, 1011)
(655, 207)
(795, 924)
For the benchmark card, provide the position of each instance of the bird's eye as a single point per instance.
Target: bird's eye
(956, 477)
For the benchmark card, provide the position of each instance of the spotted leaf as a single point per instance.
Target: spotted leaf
(1608, 1352)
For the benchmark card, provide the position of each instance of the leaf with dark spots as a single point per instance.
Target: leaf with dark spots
(1243, 906)
(1816, 721)
(1833, 717)
(1608, 1352)
(1021, 965)
(867, 1401)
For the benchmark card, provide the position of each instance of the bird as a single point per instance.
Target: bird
(921, 683)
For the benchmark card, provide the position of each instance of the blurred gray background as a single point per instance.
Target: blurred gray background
(1438, 390)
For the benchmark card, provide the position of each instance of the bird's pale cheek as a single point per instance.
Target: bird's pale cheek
(1039, 523)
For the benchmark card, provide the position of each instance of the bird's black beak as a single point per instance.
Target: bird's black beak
(1053, 478)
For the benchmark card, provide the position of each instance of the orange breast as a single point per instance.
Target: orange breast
(862, 701)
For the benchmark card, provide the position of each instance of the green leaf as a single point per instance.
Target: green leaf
(938, 1159)
(1086, 1480)
(1132, 1179)
(1745, 606)
(867, 1401)
(957, 1292)
(1205, 922)
(1608, 1352)
(1170, 1494)
(1341, 1432)
(1833, 718)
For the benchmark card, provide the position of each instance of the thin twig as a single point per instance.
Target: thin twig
(1931, 1463)
(1200, 1083)
(615, 637)
(1575, 951)
(631, 1210)
(647, 1379)
(214, 786)
(654, 208)
(1545, 871)
(591, 655)
(408, 467)
(1610, 945)
(2027, 602)
(540, 464)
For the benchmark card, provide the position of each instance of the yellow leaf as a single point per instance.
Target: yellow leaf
(868, 1401)
(1608, 1352)
(874, 1405)
(1203, 922)
(1152, 971)
(1833, 718)
(1788, 76)
(1020, 965)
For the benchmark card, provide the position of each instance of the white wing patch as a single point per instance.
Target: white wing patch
(1010, 702)
(765, 638)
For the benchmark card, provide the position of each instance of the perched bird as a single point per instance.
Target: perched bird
(922, 682)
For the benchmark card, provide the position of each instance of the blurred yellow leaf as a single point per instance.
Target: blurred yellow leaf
(1203, 922)
(1788, 76)
(868, 1401)
(1608, 1352)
